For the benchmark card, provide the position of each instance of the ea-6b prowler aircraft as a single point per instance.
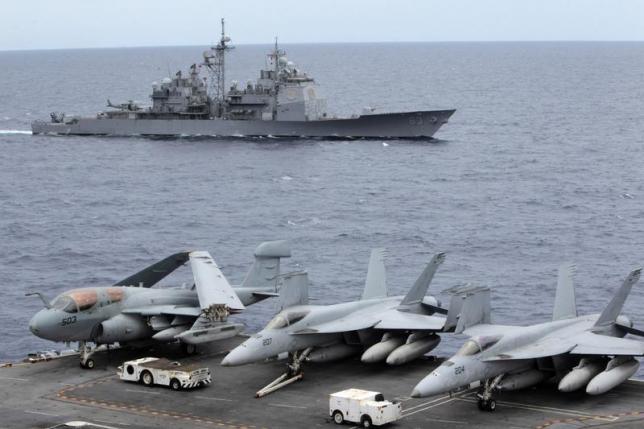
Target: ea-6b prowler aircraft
(396, 329)
(131, 310)
(585, 351)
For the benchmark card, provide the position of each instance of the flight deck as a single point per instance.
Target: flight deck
(46, 394)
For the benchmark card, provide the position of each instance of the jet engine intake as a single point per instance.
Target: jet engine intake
(122, 328)
(521, 380)
(332, 352)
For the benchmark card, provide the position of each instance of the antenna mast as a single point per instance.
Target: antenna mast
(276, 56)
(214, 60)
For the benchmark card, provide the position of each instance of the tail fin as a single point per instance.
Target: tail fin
(375, 285)
(419, 290)
(610, 313)
(266, 268)
(468, 307)
(294, 290)
(565, 305)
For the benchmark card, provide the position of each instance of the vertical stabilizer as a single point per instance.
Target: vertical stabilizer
(294, 290)
(266, 268)
(610, 313)
(469, 306)
(565, 305)
(419, 290)
(375, 285)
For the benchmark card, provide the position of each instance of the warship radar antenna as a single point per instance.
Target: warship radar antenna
(276, 57)
(214, 60)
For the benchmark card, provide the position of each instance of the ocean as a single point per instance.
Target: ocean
(542, 163)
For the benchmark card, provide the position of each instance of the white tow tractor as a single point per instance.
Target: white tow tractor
(151, 371)
(364, 407)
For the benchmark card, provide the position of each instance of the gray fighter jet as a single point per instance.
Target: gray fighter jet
(584, 351)
(131, 310)
(393, 329)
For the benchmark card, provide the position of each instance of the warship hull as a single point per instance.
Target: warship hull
(385, 125)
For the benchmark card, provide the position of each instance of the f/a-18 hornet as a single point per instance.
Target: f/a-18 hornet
(584, 351)
(394, 329)
(132, 311)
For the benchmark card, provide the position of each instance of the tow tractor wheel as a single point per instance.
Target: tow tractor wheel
(366, 421)
(89, 363)
(338, 418)
(174, 384)
(146, 378)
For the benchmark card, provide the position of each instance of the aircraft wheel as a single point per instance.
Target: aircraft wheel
(90, 364)
(491, 405)
(338, 418)
(146, 378)
(174, 384)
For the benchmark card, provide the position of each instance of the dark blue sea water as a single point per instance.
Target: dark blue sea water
(542, 163)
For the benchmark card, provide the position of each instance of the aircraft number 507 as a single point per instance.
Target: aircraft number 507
(68, 320)
(459, 370)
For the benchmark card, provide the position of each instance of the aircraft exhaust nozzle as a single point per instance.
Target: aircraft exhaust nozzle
(580, 375)
(331, 353)
(169, 334)
(379, 351)
(617, 371)
(413, 349)
(521, 380)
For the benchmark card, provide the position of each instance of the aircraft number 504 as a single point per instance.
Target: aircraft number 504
(68, 320)
(459, 370)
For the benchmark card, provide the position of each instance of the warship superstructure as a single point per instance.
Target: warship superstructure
(284, 101)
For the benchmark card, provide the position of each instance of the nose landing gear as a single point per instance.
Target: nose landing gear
(485, 395)
(86, 353)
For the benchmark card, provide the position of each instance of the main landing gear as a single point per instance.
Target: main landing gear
(485, 395)
(293, 373)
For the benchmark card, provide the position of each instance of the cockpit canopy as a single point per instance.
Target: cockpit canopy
(477, 344)
(286, 318)
(77, 300)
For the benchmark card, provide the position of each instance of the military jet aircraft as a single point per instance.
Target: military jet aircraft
(394, 329)
(585, 351)
(132, 311)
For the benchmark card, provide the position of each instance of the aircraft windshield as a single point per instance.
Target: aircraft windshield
(476, 345)
(286, 318)
(76, 300)
(470, 348)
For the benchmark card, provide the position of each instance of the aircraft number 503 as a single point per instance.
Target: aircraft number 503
(68, 320)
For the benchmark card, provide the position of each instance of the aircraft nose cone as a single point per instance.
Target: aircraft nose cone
(416, 394)
(33, 325)
(237, 356)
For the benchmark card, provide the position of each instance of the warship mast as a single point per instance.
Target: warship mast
(214, 59)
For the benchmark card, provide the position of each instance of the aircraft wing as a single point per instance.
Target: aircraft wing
(159, 310)
(352, 322)
(400, 320)
(595, 344)
(151, 275)
(543, 348)
(212, 287)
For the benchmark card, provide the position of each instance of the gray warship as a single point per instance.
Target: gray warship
(283, 102)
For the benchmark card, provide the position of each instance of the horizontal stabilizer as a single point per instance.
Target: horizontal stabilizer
(419, 290)
(156, 272)
(376, 283)
(614, 307)
(630, 330)
(212, 287)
